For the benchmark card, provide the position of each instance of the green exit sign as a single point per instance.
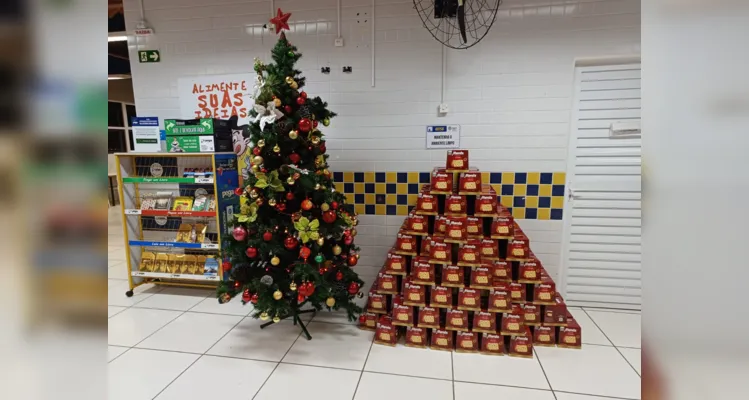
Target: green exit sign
(149, 56)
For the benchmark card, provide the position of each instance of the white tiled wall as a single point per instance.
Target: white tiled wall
(511, 93)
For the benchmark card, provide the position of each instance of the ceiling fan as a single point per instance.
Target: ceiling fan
(458, 24)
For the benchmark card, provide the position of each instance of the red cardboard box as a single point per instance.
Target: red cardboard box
(512, 322)
(486, 205)
(556, 315)
(377, 304)
(502, 271)
(386, 333)
(457, 161)
(456, 320)
(395, 264)
(456, 230)
(422, 271)
(530, 271)
(489, 249)
(544, 292)
(456, 206)
(426, 246)
(522, 345)
(499, 298)
(481, 277)
(417, 225)
(492, 344)
(470, 182)
(518, 248)
(442, 339)
(531, 314)
(544, 336)
(517, 292)
(474, 228)
(570, 336)
(441, 182)
(429, 317)
(467, 342)
(370, 321)
(469, 254)
(440, 252)
(414, 294)
(469, 299)
(403, 315)
(416, 337)
(426, 204)
(453, 276)
(386, 284)
(484, 322)
(440, 225)
(441, 297)
(502, 227)
(405, 244)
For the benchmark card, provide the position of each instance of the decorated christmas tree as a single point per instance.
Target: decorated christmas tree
(292, 243)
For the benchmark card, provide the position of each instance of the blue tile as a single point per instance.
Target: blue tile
(391, 210)
(369, 188)
(402, 199)
(369, 209)
(359, 198)
(424, 177)
(495, 177)
(402, 177)
(380, 199)
(531, 190)
(380, 177)
(348, 188)
(518, 201)
(521, 177)
(557, 190)
(338, 176)
(509, 209)
(413, 188)
(546, 177)
(507, 190)
(544, 202)
(531, 213)
(358, 177)
(556, 213)
(390, 188)
(411, 208)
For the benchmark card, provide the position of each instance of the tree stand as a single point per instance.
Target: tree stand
(294, 314)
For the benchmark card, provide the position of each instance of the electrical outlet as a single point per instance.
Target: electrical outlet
(339, 42)
(443, 108)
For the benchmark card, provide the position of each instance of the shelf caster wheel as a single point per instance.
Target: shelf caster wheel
(129, 293)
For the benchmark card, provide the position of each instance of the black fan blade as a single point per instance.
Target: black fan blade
(462, 20)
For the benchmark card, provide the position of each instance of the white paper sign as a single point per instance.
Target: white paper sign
(216, 96)
(146, 134)
(443, 136)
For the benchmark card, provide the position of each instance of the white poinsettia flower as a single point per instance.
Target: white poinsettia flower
(267, 114)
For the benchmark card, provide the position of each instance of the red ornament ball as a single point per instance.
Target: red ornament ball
(322, 147)
(287, 109)
(314, 123)
(267, 236)
(362, 319)
(322, 270)
(251, 252)
(238, 191)
(289, 196)
(304, 252)
(236, 284)
(334, 205)
(239, 233)
(256, 151)
(299, 298)
(290, 243)
(300, 100)
(294, 158)
(352, 260)
(246, 296)
(306, 205)
(226, 266)
(329, 216)
(353, 288)
(254, 299)
(303, 94)
(338, 275)
(281, 207)
(347, 240)
(305, 125)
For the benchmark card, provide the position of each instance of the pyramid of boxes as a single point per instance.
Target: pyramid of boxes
(462, 276)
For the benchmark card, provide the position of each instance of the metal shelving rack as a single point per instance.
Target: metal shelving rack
(171, 175)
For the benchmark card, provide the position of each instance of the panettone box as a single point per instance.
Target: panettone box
(469, 254)
(474, 228)
(416, 337)
(456, 230)
(395, 264)
(377, 303)
(518, 249)
(502, 271)
(426, 246)
(499, 298)
(486, 203)
(426, 204)
(442, 339)
(456, 206)
(570, 335)
(405, 244)
(440, 225)
(492, 344)
(403, 315)
(522, 345)
(453, 276)
(531, 314)
(489, 249)
(502, 226)
(417, 224)
(387, 284)
(429, 317)
(481, 277)
(556, 314)
(386, 333)
(512, 322)
(457, 161)
(530, 271)
(441, 181)
(544, 292)
(414, 294)
(440, 252)
(517, 292)
(467, 342)
(441, 296)
(422, 271)
(370, 321)
(469, 299)
(470, 182)
(544, 336)
(456, 320)
(484, 322)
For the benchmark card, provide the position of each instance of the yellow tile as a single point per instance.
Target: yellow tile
(544, 213)
(358, 188)
(369, 177)
(350, 198)
(544, 190)
(401, 188)
(391, 177)
(348, 177)
(534, 178)
(391, 199)
(412, 199)
(531, 201)
(518, 212)
(497, 188)
(508, 178)
(380, 188)
(558, 178)
(506, 201)
(359, 208)
(519, 189)
(380, 209)
(369, 199)
(413, 177)
(402, 210)
(557, 202)
(485, 177)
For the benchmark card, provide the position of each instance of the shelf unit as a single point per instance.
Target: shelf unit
(144, 176)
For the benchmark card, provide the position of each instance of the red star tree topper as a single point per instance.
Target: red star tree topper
(280, 21)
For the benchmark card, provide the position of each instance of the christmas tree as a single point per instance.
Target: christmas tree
(292, 243)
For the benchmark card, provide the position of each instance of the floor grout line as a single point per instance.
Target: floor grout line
(548, 382)
(612, 342)
(177, 377)
(276, 367)
(362, 369)
(597, 395)
(119, 355)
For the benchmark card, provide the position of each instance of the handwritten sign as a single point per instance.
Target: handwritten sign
(216, 96)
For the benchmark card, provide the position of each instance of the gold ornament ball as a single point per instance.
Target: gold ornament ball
(264, 316)
(277, 148)
(294, 85)
(315, 139)
(277, 295)
(354, 232)
(324, 207)
(255, 168)
(275, 261)
(293, 135)
(276, 319)
(257, 160)
(253, 194)
(277, 102)
(337, 250)
(326, 121)
(272, 202)
(330, 302)
(291, 180)
(292, 286)
(320, 241)
(261, 143)
(317, 186)
(289, 80)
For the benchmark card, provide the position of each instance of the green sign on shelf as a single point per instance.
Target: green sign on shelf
(149, 56)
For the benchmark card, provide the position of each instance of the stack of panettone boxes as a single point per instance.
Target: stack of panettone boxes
(462, 276)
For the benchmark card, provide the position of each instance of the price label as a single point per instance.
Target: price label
(203, 180)
(175, 276)
(209, 245)
(132, 212)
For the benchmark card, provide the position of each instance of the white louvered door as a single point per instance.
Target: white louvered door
(602, 251)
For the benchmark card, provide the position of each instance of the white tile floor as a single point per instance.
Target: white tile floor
(175, 343)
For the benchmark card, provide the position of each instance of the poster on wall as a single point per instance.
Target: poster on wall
(216, 96)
